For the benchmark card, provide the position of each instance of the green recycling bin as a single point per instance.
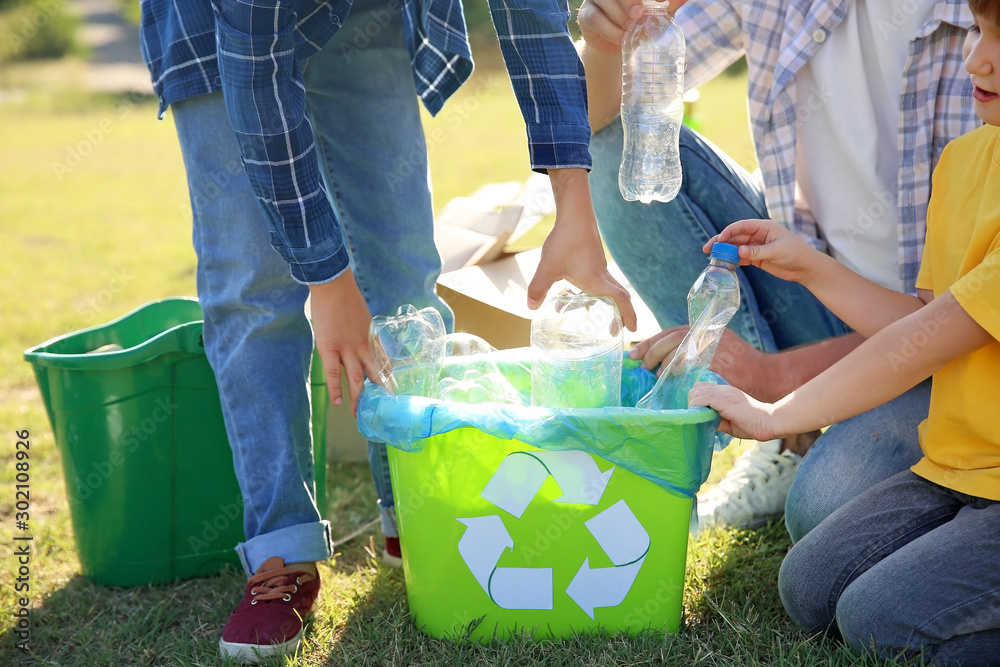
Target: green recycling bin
(551, 522)
(149, 473)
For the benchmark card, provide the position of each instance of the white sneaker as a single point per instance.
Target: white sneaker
(753, 492)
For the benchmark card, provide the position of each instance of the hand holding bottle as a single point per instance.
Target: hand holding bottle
(573, 248)
(603, 22)
(769, 246)
(738, 362)
(713, 300)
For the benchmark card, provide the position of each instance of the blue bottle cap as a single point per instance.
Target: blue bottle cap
(726, 251)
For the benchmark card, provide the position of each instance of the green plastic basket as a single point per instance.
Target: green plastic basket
(521, 529)
(559, 569)
(146, 460)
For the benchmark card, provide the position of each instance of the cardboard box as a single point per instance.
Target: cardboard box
(490, 301)
(478, 229)
(465, 236)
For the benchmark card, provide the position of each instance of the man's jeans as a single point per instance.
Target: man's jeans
(659, 249)
(906, 567)
(370, 144)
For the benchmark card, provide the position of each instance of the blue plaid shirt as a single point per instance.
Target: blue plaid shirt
(193, 47)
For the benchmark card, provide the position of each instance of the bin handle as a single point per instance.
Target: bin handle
(185, 338)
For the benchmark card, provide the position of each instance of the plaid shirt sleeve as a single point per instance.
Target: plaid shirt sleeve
(265, 101)
(713, 34)
(548, 80)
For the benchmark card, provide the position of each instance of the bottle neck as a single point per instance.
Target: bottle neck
(720, 262)
(654, 7)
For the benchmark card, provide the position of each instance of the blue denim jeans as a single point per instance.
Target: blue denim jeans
(362, 103)
(906, 568)
(658, 247)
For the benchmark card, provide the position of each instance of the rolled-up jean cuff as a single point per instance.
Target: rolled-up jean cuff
(388, 518)
(302, 543)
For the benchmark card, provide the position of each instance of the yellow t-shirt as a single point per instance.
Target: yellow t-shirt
(961, 435)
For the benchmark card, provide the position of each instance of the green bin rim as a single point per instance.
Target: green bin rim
(185, 337)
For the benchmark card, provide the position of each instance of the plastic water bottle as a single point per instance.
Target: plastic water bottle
(471, 373)
(408, 350)
(576, 343)
(652, 106)
(717, 287)
(713, 300)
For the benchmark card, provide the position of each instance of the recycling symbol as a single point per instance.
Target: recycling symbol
(512, 488)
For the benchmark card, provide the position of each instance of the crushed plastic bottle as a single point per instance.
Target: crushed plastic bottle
(652, 106)
(408, 349)
(471, 374)
(718, 286)
(713, 300)
(577, 344)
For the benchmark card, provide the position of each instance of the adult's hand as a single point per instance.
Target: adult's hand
(766, 377)
(573, 248)
(340, 320)
(603, 22)
(737, 361)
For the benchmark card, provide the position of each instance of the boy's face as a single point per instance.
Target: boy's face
(982, 61)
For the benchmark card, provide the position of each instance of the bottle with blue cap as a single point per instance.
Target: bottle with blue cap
(717, 285)
(713, 300)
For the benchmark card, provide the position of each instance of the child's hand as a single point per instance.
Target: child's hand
(769, 246)
(742, 416)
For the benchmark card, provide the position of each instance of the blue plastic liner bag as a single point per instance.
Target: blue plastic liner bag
(629, 437)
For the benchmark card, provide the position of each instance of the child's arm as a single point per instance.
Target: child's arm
(863, 305)
(884, 366)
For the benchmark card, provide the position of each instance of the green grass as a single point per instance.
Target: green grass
(34, 29)
(87, 245)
